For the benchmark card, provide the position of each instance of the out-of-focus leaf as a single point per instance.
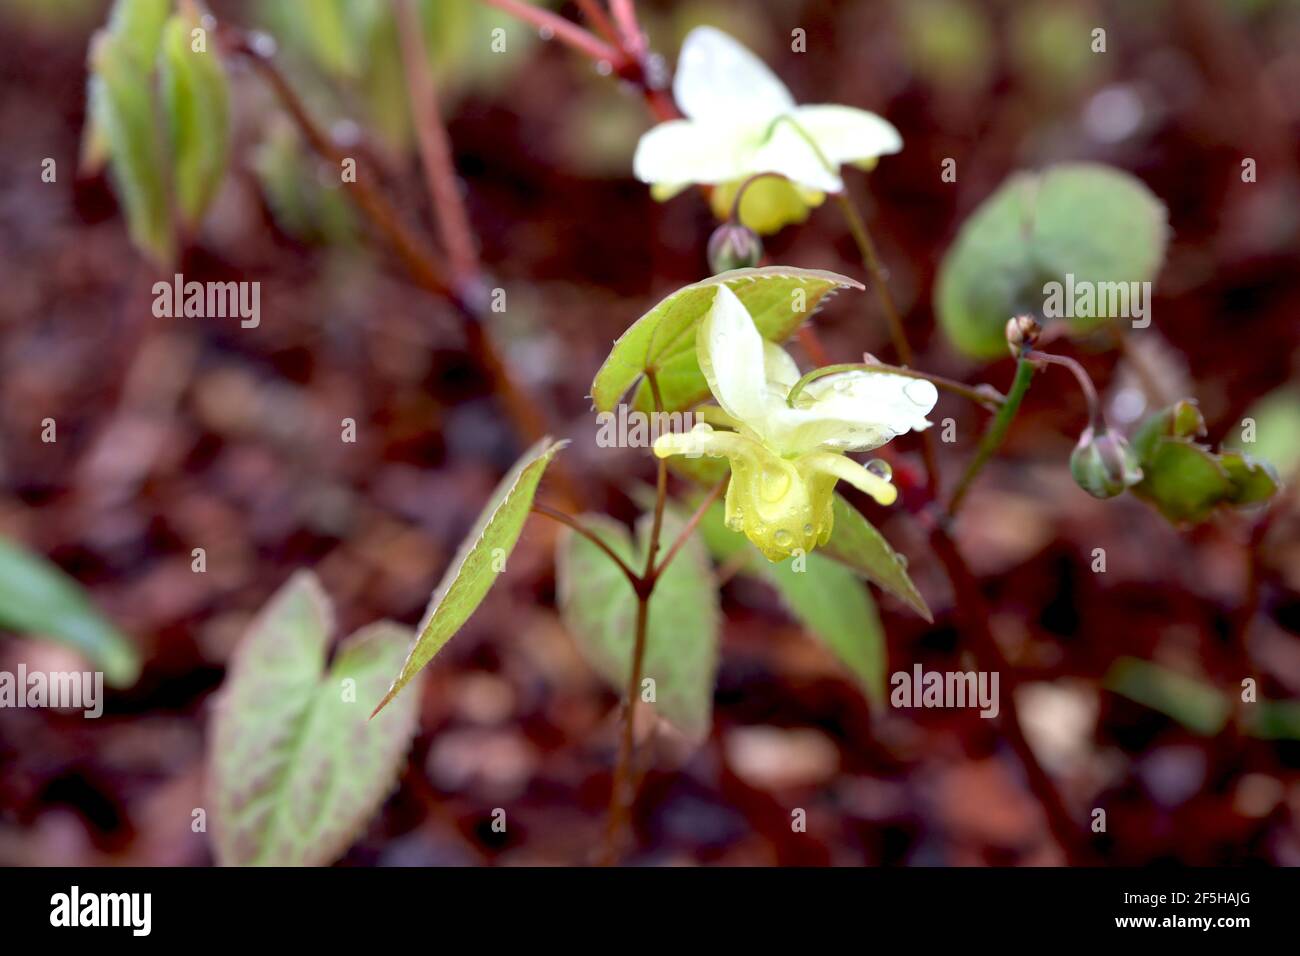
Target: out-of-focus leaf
(1276, 430)
(855, 542)
(949, 42)
(196, 99)
(121, 99)
(1196, 705)
(296, 768)
(1183, 480)
(599, 608)
(302, 206)
(1180, 420)
(39, 599)
(1274, 720)
(831, 603)
(1046, 49)
(1253, 482)
(138, 26)
(779, 298)
(480, 559)
(1090, 221)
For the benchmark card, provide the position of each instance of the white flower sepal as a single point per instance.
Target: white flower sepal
(785, 461)
(742, 120)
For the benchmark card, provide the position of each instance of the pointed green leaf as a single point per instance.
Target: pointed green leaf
(779, 298)
(599, 607)
(481, 556)
(855, 542)
(37, 598)
(121, 99)
(138, 24)
(1195, 704)
(830, 602)
(1087, 220)
(296, 767)
(196, 100)
(1253, 481)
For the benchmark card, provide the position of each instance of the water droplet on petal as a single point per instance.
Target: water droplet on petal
(775, 483)
(808, 529)
(880, 468)
(783, 538)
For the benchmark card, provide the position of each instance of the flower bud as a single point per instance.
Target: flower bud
(1022, 333)
(733, 246)
(1103, 464)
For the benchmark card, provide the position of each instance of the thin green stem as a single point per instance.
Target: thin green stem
(996, 432)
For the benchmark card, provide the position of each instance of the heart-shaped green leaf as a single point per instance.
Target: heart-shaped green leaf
(1086, 220)
(599, 607)
(296, 768)
(831, 603)
(196, 102)
(39, 599)
(779, 298)
(480, 559)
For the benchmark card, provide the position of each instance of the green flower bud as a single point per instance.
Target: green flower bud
(1103, 464)
(733, 246)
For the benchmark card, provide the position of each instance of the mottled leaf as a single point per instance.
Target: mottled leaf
(599, 608)
(779, 298)
(37, 598)
(1084, 219)
(478, 562)
(296, 768)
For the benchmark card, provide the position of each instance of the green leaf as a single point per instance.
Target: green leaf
(296, 768)
(1253, 481)
(1196, 705)
(599, 607)
(138, 25)
(1183, 480)
(1180, 420)
(1274, 720)
(1275, 431)
(121, 100)
(779, 298)
(1088, 220)
(855, 542)
(197, 103)
(829, 601)
(37, 598)
(481, 556)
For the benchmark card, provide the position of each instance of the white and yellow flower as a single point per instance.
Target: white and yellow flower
(741, 120)
(785, 461)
